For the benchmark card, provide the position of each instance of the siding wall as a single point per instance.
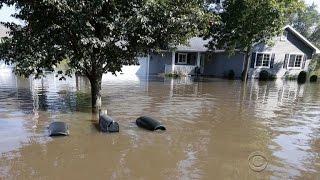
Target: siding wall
(221, 63)
(291, 45)
(158, 61)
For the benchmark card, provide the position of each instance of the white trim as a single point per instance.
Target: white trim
(316, 50)
(296, 54)
(198, 59)
(173, 61)
(186, 58)
(263, 53)
(148, 65)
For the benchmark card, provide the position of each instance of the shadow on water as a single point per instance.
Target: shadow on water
(213, 126)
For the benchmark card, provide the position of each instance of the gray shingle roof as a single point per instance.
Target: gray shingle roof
(195, 44)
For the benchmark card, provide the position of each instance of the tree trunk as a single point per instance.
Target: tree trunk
(246, 66)
(95, 82)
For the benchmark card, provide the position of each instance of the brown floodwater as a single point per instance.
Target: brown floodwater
(214, 126)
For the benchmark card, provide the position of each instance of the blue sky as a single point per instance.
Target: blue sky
(5, 11)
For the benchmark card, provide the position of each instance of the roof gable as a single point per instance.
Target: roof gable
(303, 39)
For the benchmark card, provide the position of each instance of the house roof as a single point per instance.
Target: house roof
(302, 38)
(3, 31)
(195, 44)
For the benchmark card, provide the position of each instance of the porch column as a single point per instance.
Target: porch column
(198, 59)
(148, 65)
(173, 61)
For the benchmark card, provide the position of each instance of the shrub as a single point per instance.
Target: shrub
(314, 78)
(231, 74)
(172, 75)
(291, 77)
(264, 75)
(302, 77)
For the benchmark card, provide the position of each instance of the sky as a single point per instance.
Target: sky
(317, 2)
(6, 11)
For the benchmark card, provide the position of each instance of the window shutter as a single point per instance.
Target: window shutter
(176, 59)
(285, 63)
(304, 61)
(272, 60)
(189, 57)
(253, 60)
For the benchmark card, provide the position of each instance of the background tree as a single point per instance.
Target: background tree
(307, 22)
(96, 37)
(245, 23)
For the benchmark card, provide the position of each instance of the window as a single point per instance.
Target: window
(295, 61)
(182, 58)
(263, 60)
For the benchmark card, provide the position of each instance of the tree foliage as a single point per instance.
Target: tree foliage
(244, 23)
(247, 22)
(306, 20)
(96, 36)
(95, 33)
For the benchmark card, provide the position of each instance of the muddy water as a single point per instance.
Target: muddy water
(213, 126)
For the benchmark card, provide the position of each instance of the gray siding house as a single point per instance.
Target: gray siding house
(289, 55)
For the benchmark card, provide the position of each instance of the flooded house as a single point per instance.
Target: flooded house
(289, 54)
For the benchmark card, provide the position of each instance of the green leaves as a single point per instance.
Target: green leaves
(307, 22)
(247, 22)
(97, 36)
(304, 20)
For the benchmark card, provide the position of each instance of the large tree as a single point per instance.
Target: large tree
(245, 23)
(96, 36)
(306, 20)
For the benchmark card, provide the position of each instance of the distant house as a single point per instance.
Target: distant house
(290, 54)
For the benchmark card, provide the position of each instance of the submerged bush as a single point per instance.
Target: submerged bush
(172, 75)
(302, 77)
(314, 78)
(231, 74)
(264, 75)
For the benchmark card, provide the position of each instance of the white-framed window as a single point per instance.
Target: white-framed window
(263, 60)
(295, 61)
(182, 58)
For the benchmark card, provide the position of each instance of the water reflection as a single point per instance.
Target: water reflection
(290, 112)
(213, 126)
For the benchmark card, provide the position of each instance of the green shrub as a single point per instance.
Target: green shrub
(314, 78)
(302, 77)
(291, 77)
(264, 75)
(231, 74)
(172, 75)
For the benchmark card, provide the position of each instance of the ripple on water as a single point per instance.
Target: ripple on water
(213, 126)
